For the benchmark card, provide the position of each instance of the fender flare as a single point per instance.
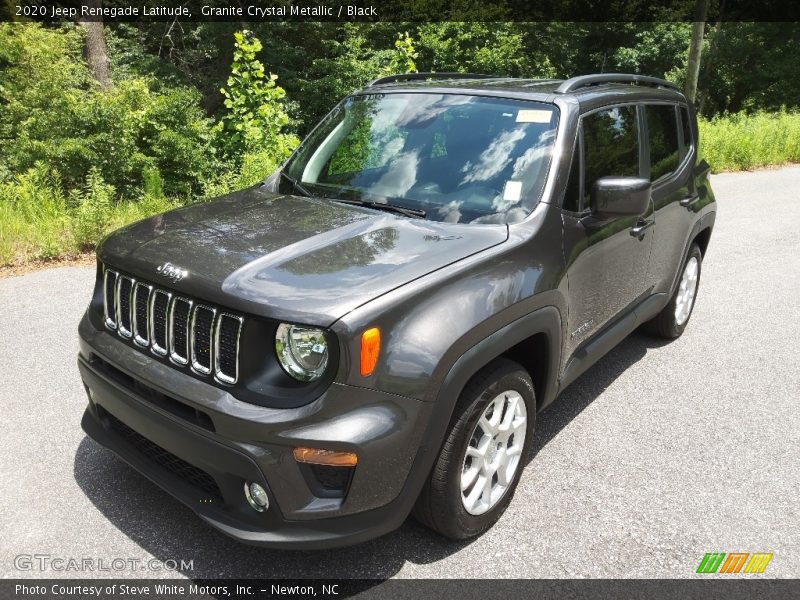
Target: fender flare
(704, 222)
(545, 320)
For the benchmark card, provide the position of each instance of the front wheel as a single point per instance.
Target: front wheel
(479, 465)
(671, 321)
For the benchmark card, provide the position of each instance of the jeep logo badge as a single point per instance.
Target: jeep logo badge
(175, 274)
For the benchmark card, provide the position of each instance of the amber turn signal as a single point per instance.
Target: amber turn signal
(370, 349)
(330, 458)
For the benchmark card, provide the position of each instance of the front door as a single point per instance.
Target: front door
(607, 259)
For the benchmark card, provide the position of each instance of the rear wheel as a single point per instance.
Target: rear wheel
(478, 467)
(671, 321)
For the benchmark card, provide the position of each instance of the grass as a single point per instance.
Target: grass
(39, 220)
(741, 142)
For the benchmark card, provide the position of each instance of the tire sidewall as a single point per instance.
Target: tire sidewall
(694, 251)
(515, 380)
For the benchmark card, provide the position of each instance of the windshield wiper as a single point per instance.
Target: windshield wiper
(395, 208)
(296, 184)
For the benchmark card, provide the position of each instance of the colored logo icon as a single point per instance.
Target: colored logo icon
(734, 562)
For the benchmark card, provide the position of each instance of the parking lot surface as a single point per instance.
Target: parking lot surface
(658, 454)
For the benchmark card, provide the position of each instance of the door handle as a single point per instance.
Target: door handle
(642, 226)
(689, 200)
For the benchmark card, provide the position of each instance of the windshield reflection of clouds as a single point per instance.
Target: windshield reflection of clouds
(449, 212)
(495, 158)
(534, 159)
(450, 155)
(400, 179)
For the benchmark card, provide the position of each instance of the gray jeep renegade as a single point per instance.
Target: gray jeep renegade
(372, 330)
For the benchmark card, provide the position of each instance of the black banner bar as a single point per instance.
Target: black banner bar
(411, 11)
(729, 588)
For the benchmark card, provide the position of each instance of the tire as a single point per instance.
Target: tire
(440, 505)
(670, 322)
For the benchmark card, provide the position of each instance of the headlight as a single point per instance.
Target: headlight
(302, 351)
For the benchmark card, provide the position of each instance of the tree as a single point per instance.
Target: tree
(256, 117)
(695, 49)
(95, 46)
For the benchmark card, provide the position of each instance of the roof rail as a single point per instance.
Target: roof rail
(423, 76)
(570, 85)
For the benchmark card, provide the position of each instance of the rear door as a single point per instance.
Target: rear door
(670, 158)
(607, 261)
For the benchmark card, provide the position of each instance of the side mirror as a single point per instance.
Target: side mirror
(620, 197)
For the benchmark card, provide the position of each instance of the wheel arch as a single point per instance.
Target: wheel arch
(533, 354)
(702, 239)
(533, 341)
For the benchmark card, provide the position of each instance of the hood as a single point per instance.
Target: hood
(290, 257)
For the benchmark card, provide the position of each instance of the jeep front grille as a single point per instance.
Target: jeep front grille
(190, 333)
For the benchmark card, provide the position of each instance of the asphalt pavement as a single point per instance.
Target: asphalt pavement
(658, 454)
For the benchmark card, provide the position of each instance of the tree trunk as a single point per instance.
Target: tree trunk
(702, 91)
(95, 49)
(695, 49)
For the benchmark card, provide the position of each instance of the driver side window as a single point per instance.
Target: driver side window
(610, 145)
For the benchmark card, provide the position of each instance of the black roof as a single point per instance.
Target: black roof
(587, 90)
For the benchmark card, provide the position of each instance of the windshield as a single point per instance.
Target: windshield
(458, 158)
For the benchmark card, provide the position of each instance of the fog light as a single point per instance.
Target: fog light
(256, 496)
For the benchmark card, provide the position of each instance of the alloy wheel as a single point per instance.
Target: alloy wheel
(494, 451)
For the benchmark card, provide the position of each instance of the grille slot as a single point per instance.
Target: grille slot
(109, 302)
(179, 312)
(159, 304)
(202, 331)
(141, 304)
(190, 334)
(123, 305)
(226, 343)
(194, 476)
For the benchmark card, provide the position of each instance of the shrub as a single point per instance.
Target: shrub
(54, 113)
(33, 217)
(742, 141)
(91, 209)
(256, 117)
(255, 167)
(39, 221)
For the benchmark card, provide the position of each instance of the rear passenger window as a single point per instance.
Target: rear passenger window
(662, 127)
(611, 146)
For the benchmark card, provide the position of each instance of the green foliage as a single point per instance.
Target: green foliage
(739, 142)
(77, 161)
(255, 167)
(33, 217)
(152, 183)
(256, 117)
(750, 67)
(402, 60)
(360, 53)
(91, 210)
(55, 114)
(38, 220)
(658, 49)
(479, 47)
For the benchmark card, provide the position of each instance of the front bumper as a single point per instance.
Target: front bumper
(201, 444)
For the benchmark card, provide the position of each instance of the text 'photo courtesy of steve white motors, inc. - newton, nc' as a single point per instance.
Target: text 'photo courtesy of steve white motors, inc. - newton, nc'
(219, 10)
(164, 590)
